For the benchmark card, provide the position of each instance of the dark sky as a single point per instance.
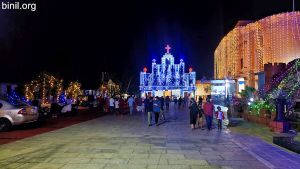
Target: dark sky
(80, 39)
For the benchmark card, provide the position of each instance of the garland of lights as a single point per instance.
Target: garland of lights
(74, 90)
(42, 87)
(286, 87)
(110, 89)
(245, 49)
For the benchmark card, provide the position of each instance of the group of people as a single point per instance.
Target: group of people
(156, 105)
(119, 105)
(181, 102)
(198, 110)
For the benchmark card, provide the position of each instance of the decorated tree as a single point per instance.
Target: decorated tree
(112, 88)
(42, 87)
(109, 88)
(74, 90)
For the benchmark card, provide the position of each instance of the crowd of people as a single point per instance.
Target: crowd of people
(156, 107)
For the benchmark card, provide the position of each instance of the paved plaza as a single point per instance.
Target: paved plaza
(126, 142)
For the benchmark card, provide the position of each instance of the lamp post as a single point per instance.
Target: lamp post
(293, 5)
(227, 86)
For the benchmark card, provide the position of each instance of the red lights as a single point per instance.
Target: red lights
(145, 69)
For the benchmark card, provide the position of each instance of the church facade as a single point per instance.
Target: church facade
(168, 78)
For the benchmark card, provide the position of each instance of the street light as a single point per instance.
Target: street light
(227, 86)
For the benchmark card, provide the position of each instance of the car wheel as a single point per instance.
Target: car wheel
(5, 125)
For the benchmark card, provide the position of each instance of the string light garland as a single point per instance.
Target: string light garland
(74, 90)
(245, 49)
(42, 87)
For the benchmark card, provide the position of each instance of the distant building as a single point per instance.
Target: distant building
(168, 78)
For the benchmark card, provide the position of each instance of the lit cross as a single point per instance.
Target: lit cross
(168, 48)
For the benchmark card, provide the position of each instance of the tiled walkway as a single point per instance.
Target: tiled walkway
(271, 155)
(127, 142)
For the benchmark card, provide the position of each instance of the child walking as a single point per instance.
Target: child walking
(220, 117)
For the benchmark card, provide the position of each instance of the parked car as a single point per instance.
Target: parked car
(20, 113)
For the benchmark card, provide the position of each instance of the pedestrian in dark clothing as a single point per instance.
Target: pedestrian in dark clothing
(175, 102)
(179, 102)
(146, 104)
(162, 102)
(200, 101)
(167, 101)
(150, 110)
(194, 110)
(156, 109)
(208, 108)
(122, 105)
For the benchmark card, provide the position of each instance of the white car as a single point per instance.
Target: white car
(11, 115)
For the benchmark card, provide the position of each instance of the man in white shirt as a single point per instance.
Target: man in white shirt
(111, 105)
(117, 110)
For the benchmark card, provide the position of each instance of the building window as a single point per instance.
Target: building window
(242, 64)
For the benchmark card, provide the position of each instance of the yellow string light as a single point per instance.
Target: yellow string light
(245, 49)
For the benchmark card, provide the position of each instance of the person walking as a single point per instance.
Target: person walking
(186, 101)
(167, 101)
(208, 111)
(150, 110)
(156, 109)
(117, 107)
(139, 102)
(162, 112)
(111, 105)
(146, 104)
(220, 116)
(179, 102)
(121, 105)
(175, 102)
(130, 102)
(193, 113)
(200, 117)
(200, 101)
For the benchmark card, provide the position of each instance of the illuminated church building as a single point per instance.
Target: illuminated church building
(168, 78)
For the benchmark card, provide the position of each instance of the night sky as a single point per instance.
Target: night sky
(80, 39)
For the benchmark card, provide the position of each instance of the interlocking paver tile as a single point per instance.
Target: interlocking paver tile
(83, 166)
(114, 142)
(127, 166)
(173, 167)
(118, 161)
(144, 161)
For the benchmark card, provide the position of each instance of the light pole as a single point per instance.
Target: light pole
(293, 5)
(226, 87)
